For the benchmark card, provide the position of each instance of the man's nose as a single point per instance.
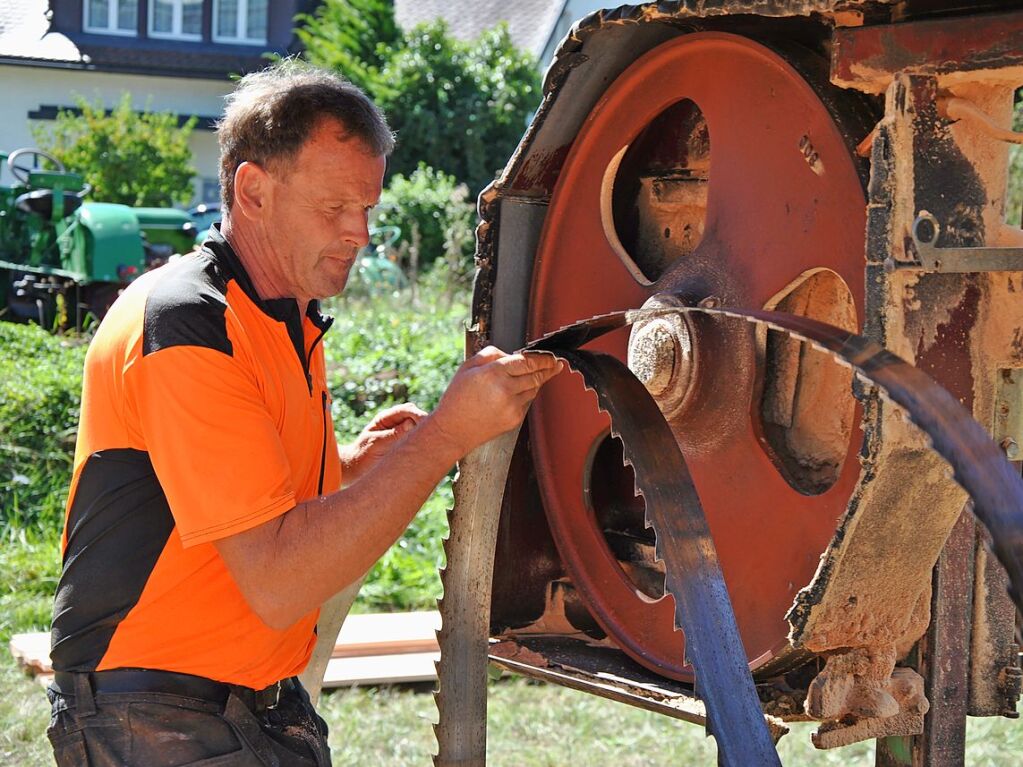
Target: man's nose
(358, 231)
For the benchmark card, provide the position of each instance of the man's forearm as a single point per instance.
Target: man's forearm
(294, 563)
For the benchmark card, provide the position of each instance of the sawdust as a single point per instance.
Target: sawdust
(516, 652)
(875, 584)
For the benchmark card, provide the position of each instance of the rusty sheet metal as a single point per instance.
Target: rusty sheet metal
(595, 51)
(868, 57)
(595, 670)
(995, 674)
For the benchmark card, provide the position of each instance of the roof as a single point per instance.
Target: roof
(529, 21)
(25, 33)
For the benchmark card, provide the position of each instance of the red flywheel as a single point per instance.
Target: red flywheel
(712, 166)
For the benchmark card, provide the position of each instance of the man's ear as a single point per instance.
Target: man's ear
(251, 190)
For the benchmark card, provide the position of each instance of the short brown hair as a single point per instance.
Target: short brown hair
(271, 113)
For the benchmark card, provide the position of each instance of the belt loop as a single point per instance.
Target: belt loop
(85, 704)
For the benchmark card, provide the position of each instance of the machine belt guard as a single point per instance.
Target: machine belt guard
(693, 576)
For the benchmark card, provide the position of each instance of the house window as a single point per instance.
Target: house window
(239, 21)
(111, 17)
(175, 19)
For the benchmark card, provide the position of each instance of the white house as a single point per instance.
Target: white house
(171, 55)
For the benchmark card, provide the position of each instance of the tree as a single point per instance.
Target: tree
(353, 37)
(460, 106)
(132, 158)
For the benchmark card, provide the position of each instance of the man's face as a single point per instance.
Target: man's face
(319, 211)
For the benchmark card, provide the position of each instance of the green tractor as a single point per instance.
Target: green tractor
(63, 259)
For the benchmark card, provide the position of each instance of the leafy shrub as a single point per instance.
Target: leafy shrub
(462, 106)
(380, 353)
(407, 577)
(139, 159)
(383, 352)
(40, 386)
(434, 214)
(1014, 195)
(40, 393)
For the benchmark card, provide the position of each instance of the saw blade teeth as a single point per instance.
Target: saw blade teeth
(874, 369)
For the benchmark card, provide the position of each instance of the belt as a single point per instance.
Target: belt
(129, 680)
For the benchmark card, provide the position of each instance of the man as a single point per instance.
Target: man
(211, 511)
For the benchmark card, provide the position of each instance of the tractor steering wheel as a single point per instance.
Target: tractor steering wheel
(21, 172)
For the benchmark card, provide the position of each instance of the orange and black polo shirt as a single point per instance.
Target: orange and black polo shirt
(204, 413)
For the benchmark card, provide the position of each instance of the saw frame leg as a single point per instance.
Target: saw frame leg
(464, 637)
(332, 618)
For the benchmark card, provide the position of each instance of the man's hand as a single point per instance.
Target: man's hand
(381, 434)
(490, 395)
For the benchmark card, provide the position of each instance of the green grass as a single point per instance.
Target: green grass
(29, 568)
(536, 725)
(529, 725)
(24, 715)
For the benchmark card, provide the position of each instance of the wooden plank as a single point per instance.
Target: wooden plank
(388, 634)
(381, 669)
(32, 652)
(371, 643)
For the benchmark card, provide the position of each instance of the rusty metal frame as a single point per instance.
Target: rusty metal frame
(866, 58)
(518, 201)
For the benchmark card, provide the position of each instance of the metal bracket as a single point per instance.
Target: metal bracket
(1008, 416)
(954, 260)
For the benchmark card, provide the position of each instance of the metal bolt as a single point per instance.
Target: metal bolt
(652, 355)
(1011, 448)
(662, 355)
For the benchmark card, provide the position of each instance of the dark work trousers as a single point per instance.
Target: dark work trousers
(158, 729)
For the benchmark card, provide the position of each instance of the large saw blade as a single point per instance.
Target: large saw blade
(692, 572)
(979, 465)
(683, 541)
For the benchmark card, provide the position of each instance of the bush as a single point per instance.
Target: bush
(40, 393)
(386, 351)
(128, 158)
(40, 388)
(434, 214)
(462, 106)
(380, 353)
